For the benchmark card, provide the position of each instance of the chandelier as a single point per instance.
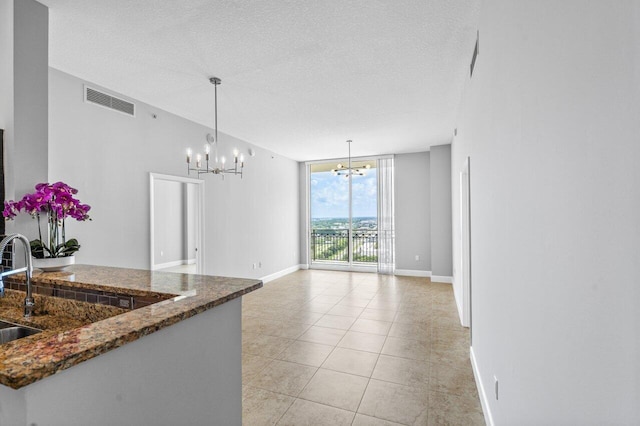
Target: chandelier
(341, 170)
(216, 165)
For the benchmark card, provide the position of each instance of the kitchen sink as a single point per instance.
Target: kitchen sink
(10, 331)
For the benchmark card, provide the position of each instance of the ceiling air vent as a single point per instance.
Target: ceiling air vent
(96, 97)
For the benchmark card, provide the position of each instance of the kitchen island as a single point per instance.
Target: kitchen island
(173, 356)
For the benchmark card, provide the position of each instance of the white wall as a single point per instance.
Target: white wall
(108, 157)
(6, 65)
(413, 212)
(550, 121)
(24, 38)
(256, 219)
(30, 54)
(423, 213)
(6, 87)
(440, 183)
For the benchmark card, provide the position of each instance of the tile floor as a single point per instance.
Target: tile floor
(341, 348)
(183, 269)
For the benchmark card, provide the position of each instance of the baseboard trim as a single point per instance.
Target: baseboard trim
(304, 266)
(280, 274)
(169, 264)
(412, 273)
(488, 418)
(441, 279)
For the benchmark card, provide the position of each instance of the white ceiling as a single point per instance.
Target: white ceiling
(298, 77)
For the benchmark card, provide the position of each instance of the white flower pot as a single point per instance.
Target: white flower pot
(52, 264)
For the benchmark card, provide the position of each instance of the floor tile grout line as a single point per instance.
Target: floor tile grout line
(327, 405)
(285, 411)
(307, 384)
(270, 390)
(372, 371)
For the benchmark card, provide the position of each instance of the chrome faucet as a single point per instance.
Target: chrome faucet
(28, 301)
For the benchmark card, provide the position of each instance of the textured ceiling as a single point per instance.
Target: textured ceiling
(298, 77)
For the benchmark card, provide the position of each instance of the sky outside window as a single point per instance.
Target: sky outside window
(330, 195)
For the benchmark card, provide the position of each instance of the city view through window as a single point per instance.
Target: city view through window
(331, 238)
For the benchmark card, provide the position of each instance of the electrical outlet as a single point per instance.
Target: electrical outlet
(161, 253)
(259, 264)
(417, 257)
(495, 381)
(254, 266)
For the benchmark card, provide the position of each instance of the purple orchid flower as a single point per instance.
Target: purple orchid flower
(56, 201)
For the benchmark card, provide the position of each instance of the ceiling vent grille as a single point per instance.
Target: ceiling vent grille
(96, 97)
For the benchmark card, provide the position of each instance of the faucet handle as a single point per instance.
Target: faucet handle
(29, 304)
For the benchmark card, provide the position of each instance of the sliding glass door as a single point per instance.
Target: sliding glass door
(344, 215)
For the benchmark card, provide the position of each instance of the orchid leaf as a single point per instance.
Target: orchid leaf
(68, 248)
(37, 249)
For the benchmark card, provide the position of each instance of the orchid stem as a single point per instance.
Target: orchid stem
(39, 227)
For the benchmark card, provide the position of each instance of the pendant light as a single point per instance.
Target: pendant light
(216, 165)
(341, 170)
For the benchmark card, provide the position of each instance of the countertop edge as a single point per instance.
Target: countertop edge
(35, 368)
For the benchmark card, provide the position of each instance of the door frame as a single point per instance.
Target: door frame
(199, 225)
(465, 242)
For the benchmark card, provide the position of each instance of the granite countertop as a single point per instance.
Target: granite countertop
(27, 360)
